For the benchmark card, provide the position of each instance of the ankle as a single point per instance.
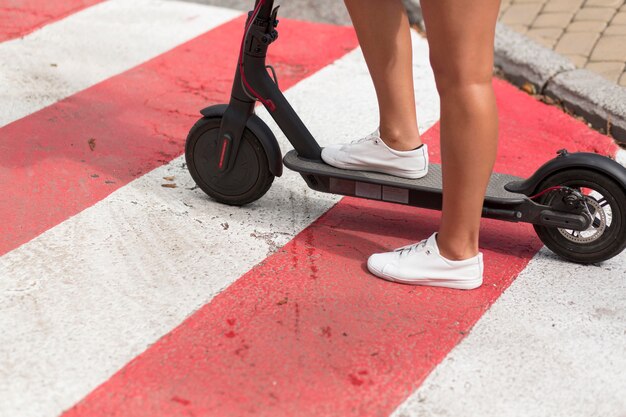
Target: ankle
(456, 249)
(400, 141)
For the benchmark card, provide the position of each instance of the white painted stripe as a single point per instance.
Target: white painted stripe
(554, 344)
(84, 298)
(92, 45)
(620, 157)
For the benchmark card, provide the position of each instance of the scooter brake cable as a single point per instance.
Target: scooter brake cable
(274, 76)
(547, 190)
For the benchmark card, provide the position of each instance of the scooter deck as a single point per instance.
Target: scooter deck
(374, 185)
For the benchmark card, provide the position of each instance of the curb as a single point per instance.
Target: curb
(526, 63)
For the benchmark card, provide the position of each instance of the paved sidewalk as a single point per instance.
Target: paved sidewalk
(591, 33)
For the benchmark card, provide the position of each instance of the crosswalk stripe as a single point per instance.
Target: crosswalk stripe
(92, 45)
(149, 256)
(130, 268)
(21, 18)
(552, 345)
(309, 332)
(72, 154)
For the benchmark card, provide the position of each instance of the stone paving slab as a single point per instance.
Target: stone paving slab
(591, 33)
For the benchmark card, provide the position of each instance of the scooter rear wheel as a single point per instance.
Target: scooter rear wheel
(606, 237)
(247, 181)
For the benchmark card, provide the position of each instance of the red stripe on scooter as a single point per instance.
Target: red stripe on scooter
(309, 332)
(19, 18)
(63, 159)
(224, 143)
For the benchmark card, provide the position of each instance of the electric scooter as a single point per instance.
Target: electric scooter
(576, 201)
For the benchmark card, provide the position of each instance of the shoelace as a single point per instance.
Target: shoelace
(371, 136)
(414, 246)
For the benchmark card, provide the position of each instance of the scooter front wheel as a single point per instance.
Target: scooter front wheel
(606, 201)
(247, 181)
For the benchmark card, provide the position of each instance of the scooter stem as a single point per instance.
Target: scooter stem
(252, 82)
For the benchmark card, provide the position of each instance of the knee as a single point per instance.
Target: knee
(451, 74)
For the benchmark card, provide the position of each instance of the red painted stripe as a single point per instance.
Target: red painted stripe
(308, 332)
(134, 122)
(19, 18)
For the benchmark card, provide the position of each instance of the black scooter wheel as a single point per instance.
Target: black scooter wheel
(247, 181)
(606, 200)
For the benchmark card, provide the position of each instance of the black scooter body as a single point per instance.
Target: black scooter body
(567, 160)
(560, 206)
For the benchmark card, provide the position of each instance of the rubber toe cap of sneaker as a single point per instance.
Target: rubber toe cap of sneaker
(378, 264)
(374, 264)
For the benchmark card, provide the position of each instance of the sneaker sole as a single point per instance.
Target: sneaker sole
(402, 174)
(464, 284)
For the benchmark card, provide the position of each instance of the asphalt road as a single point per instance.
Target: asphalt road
(327, 11)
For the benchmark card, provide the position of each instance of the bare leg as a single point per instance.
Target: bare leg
(461, 36)
(385, 38)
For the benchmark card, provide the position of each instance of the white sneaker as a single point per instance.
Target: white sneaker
(372, 154)
(422, 264)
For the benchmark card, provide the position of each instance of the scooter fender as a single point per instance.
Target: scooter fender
(261, 131)
(566, 160)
